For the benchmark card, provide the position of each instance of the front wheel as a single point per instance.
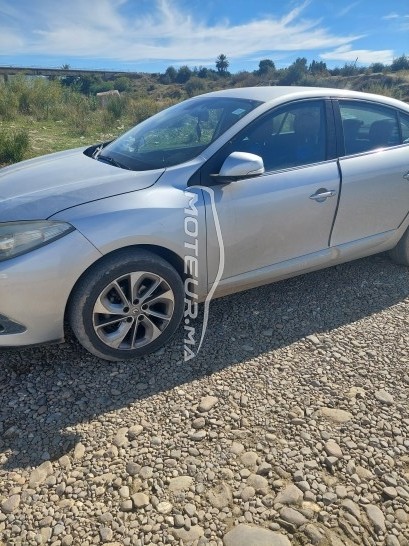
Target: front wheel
(400, 254)
(127, 305)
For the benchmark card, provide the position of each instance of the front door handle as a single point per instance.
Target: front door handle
(322, 194)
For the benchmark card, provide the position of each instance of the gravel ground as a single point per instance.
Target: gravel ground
(290, 427)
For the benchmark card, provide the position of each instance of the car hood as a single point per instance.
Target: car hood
(38, 188)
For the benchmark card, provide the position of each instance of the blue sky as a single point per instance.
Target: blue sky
(150, 35)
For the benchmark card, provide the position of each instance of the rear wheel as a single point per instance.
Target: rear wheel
(127, 305)
(400, 254)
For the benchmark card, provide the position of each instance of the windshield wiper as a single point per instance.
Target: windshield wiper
(112, 161)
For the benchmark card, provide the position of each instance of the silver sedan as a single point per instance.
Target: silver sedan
(226, 191)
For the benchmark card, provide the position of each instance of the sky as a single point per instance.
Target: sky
(150, 35)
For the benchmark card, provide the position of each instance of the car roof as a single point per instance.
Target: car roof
(276, 92)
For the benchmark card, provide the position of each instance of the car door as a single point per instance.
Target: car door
(375, 193)
(288, 211)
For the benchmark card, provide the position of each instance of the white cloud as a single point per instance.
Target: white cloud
(347, 9)
(392, 15)
(365, 56)
(81, 29)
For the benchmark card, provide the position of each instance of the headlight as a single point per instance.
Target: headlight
(20, 237)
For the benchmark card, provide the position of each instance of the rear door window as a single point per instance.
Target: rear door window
(368, 126)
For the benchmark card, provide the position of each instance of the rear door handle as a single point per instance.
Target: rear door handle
(323, 194)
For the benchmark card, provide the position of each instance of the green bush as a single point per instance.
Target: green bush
(13, 145)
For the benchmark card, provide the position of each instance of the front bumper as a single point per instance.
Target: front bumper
(35, 287)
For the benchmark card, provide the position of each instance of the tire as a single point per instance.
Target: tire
(127, 305)
(400, 254)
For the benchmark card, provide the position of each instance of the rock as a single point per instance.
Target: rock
(391, 540)
(126, 505)
(335, 415)
(384, 397)
(79, 451)
(181, 483)
(11, 504)
(247, 493)
(132, 468)
(106, 534)
(188, 537)
(290, 495)
(292, 516)
(207, 403)
(134, 431)
(389, 492)
(376, 517)
(164, 507)
(249, 459)
(237, 448)
(198, 435)
(356, 392)
(364, 473)
(146, 472)
(121, 438)
(352, 508)
(220, 497)
(259, 483)
(39, 474)
(140, 500)
(264, 469)
(244, 535)
(179, 521)
(332, 449)
(199, 423)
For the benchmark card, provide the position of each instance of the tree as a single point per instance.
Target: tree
(317, 67)
(377, 67)
(295, 72)
(400, 63)
(65, 67)
(169, 76)
(222, 64)
(265, 66)
(183, 75)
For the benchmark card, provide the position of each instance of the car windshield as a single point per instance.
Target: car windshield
(176, 134)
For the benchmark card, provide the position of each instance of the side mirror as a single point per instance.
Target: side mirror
(240, 165)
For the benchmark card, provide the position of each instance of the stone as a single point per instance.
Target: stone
(11, 504)
(79, 451)
(121, 438)
(364, 473)
(140, 500)
(221, 496)
(290, 495)
(352, 508)
(106, 533)
(146, 472)
(247, 493)
(207, 403)
(188, 537)
(260, 483)
(384, 397)
(335, 415)
(376, 517)
(293, 516)
(132, 468)
(245, 535)
(390, 492)
(237, 448)
(249, 458)
(40, 474)
(180, 483)
(164, 507)
(332, 449)
(134, 431)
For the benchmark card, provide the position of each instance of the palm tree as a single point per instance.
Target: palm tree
(222, 64)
